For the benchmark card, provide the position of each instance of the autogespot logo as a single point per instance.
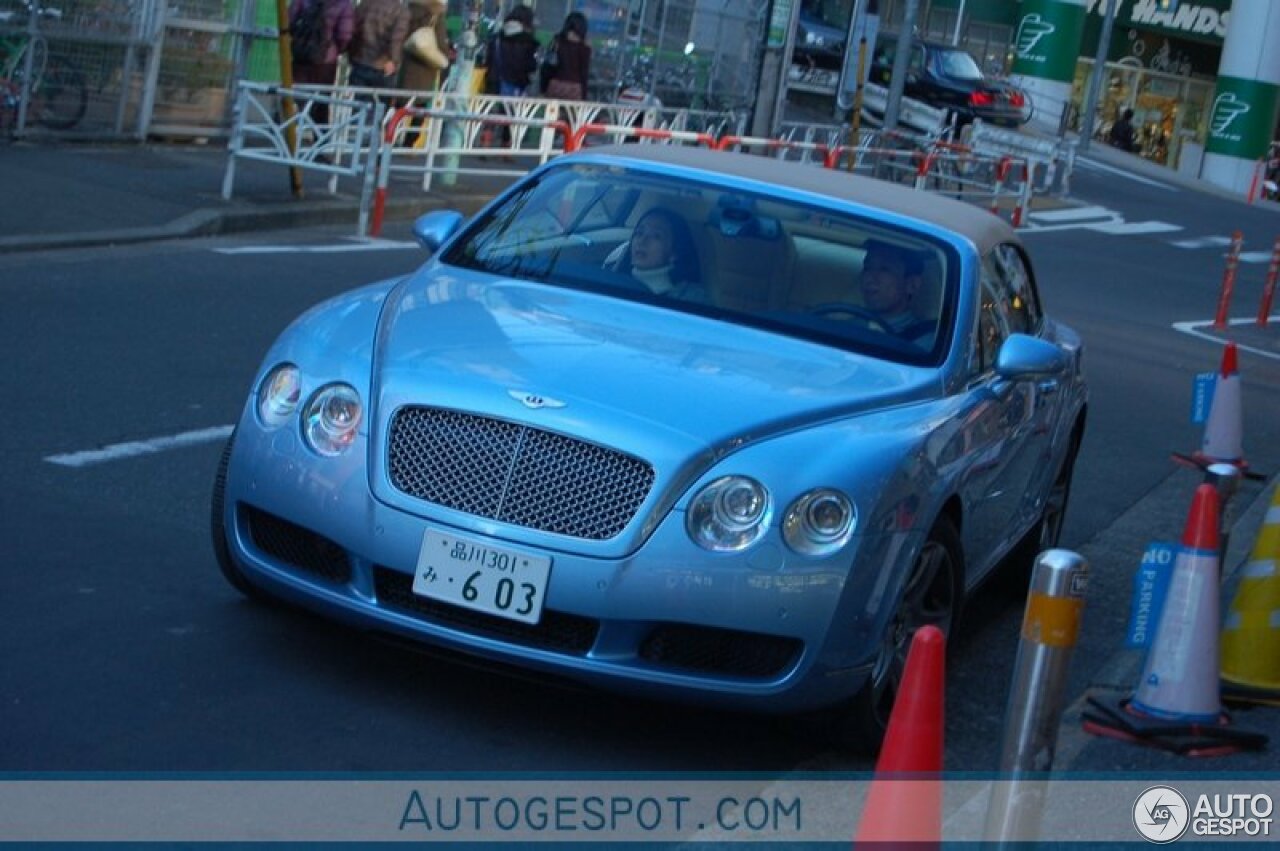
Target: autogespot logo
(1160, 814)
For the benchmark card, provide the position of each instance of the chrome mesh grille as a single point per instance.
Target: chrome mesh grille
(514, 473)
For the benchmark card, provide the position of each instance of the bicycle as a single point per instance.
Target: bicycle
(57, 95)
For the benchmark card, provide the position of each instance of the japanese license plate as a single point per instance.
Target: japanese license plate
(476, 574)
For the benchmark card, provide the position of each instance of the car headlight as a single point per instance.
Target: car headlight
(278, 395)
(819, 522)
(331, 418)
(813, 39)
(729, 514)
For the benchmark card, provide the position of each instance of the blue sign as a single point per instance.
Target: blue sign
(1202, 396)
(1150, 585)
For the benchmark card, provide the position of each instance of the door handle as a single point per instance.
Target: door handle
(1048, 387)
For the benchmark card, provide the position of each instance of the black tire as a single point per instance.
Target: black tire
(218, 529)
(932, 596)
(61, 97)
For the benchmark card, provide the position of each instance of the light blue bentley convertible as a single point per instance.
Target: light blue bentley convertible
(691, 424)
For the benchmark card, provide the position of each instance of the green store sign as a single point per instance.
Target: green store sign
(1243, 115)
(1047, 39)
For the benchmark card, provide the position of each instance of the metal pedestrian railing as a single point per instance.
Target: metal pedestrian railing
(427, 137)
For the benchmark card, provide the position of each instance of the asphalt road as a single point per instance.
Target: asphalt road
(126, 651)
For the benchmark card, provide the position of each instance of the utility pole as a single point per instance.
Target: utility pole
(900, 61)
(1095, 79)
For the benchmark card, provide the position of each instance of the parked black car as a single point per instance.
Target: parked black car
(818, 44)
(949, 78)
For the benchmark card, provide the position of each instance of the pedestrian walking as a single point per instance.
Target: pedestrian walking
(1121, 135)
(512, 54)
(426, 55)
(377, 48)
(567, 64)
(319, 32)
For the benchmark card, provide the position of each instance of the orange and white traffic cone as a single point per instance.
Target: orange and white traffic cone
(1251, 633)
(904, 804)
(1177, 705)
(1224, 431)
(1180, 679)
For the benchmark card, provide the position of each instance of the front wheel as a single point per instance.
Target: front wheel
(931, 597)
(60, 97)
(218, 529)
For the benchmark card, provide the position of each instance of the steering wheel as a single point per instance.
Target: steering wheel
(840, 307)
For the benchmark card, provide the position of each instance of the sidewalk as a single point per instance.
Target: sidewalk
(79, 195)
(69, 196)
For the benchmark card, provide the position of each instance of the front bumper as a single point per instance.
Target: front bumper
(763, 630)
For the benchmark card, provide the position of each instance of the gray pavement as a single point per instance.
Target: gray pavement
(83, 195)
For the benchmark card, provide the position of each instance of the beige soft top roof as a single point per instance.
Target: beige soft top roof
(974, 223)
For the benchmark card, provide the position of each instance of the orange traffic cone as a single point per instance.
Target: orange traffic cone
(1251, 633)
(908, 807)
(1177, 706)
(1180, 679)
(1224, 430)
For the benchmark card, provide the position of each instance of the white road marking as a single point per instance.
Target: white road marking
(1122, 227)
(1255, 257)
(359, 245)
(1202, 242)
(1071, 214)
(1094, 164)
(1193, 328)
(133, 448)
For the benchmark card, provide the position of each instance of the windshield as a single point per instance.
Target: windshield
(959, 65)
(743, 257)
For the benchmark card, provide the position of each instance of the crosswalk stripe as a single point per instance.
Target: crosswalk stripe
(1202, 242)
(1072, 214)
(1133, 227)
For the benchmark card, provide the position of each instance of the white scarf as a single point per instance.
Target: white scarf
(658, 280)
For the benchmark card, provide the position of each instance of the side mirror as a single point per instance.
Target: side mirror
(1023, 356)
(435, 228)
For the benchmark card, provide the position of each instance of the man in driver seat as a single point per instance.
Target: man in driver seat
(891, 277)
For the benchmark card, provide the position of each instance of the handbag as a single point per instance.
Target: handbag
(550, 65)
(422, 46)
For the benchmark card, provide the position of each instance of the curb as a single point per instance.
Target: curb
(211, 221)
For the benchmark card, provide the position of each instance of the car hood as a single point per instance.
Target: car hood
(677, 390)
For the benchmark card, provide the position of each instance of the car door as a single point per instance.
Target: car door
(1013, 272)
(1004, 429)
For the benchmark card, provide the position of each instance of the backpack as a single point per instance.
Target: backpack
(310, 33)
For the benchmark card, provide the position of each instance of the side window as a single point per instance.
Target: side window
(993, 322)
(916, 66)
(1014, 277)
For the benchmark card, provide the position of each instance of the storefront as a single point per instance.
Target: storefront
(1163, 67)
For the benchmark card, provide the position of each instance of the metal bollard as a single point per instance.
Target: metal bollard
(1050, 628)
(1225, 479)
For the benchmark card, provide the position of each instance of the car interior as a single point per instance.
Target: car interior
(760, 257)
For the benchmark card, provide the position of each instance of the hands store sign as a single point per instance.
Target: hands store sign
(1203, 20)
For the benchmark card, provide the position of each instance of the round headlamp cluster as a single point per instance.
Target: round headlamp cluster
(331, 418)
(819, 522)
(733, 512)
(279, 394)
(729, 514)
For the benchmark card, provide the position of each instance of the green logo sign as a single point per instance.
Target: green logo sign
(1047, 40)
(1243, 114)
